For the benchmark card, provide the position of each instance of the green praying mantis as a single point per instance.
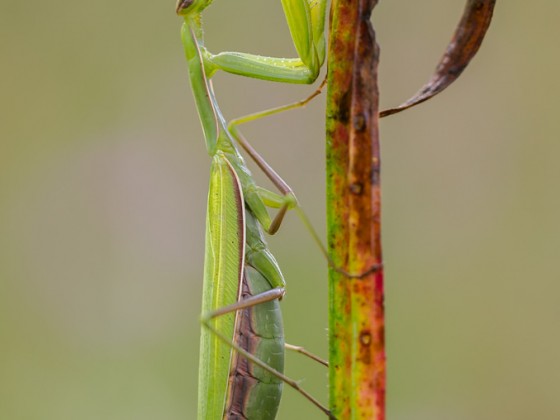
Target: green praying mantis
(242, 344)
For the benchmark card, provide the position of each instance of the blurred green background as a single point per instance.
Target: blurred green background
(103, 177)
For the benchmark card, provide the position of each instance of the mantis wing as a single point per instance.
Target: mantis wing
(223, 268)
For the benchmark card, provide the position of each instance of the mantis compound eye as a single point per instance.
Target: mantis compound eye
(183, 5)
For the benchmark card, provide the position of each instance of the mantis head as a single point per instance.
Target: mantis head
(186, 7)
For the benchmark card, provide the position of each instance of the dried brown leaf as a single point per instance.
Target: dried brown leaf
(462, 48)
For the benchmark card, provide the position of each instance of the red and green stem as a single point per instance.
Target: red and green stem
(356, 320)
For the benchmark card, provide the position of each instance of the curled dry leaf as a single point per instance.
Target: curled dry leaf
(462, 48)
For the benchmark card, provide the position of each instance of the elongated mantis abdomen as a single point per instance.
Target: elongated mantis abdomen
(255, 392)
(236, 247)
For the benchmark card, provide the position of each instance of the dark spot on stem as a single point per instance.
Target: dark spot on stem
(359, 122)
(365, 338)
(356, 188)
(343, 114)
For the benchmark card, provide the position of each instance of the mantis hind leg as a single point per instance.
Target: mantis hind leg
(248, 303)
(302, 350)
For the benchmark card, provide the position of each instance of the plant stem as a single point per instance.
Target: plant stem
(356, 318)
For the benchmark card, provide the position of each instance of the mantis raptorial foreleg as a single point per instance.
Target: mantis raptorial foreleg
(306, 22)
